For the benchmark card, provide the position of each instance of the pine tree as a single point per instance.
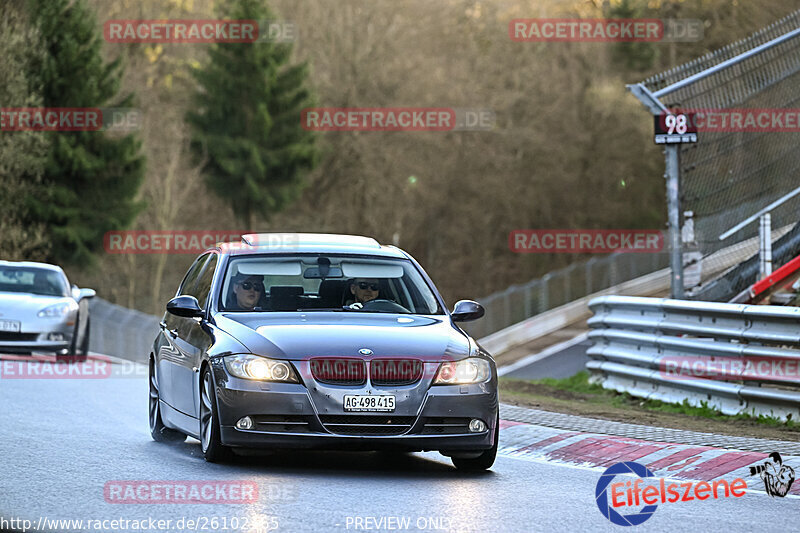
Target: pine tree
(639, 56)
(92, 177)
(246, 121)
(22, 154)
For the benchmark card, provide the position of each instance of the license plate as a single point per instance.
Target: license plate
(10, 325)
(368, 402)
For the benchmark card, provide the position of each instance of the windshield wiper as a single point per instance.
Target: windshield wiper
(326, 309)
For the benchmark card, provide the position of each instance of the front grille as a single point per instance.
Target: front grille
(13, 336)
(445, 426)
(367, 424)
(395, 371)
(339, 371)
(281, 423)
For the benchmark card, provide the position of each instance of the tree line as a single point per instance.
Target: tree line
(220, 145)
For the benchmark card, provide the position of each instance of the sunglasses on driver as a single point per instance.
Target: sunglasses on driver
(363, 285)
(247, 285)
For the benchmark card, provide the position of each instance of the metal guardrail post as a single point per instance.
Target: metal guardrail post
(765, 246)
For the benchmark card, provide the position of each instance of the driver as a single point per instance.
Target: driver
(248, 291)
(364, 289)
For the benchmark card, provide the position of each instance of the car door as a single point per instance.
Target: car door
(171, 354)
(193, 342)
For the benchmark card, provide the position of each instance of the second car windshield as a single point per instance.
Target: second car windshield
(40, 281)
(309, 283)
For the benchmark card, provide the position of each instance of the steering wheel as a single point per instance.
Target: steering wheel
(380, 304)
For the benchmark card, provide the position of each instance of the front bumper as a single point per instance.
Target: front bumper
(27, 343)
(39, 334)
(286, 416)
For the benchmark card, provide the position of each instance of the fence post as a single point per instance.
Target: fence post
(672, 173)
(544, 301)
(528, 296)
(567, 285)
(507, 305)
(612, 271)
(588, 274)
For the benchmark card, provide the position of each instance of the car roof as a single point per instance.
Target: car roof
(325, 243)
(34, 264)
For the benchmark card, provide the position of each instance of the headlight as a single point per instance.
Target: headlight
(54, 311)
(249, 366)
(471, 370)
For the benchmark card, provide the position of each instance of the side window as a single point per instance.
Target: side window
(204, 282)
(189, 281)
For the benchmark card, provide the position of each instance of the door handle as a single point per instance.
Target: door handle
(173, 332)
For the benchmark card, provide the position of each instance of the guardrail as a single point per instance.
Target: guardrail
(545, 323)
(119, 331)
(559, 287)
(637, 339)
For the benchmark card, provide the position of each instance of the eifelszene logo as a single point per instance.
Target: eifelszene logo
(642, 491)
(777, 477)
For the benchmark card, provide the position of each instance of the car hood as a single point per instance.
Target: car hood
(18, 305)
(296, 336)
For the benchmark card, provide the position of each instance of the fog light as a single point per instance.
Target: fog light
(244, 423)
(55, 337)
(477, 426)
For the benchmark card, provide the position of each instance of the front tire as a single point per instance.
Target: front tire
(485, 460)
(213, 449)
(158, 430)
(84, 350)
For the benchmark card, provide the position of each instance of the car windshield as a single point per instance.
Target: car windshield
(41, 281)
(326, 283)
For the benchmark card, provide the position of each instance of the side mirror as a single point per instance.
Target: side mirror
(466, 310)
(86, 293)
(185, 306)
(80, 294)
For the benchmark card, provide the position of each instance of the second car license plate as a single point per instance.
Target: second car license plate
(368, 402)
(9, 325)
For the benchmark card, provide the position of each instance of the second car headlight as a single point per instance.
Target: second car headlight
(470, 370)
(54, 311)
(249, 366)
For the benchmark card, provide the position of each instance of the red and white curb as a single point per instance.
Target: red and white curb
(664, 459)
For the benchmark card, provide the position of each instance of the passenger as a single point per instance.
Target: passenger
(364, 290)
(41, 285)
(248, 291)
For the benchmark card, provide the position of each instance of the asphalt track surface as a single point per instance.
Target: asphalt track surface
(65, 439)
(562, 364)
